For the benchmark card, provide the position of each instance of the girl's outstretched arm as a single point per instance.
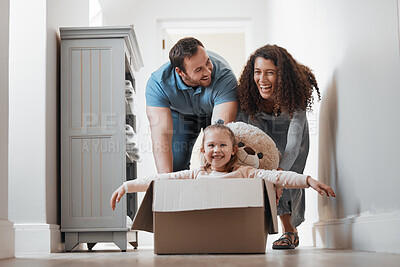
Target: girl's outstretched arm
(116, 196)
(137, 185)
(320, 187)
(289, 179)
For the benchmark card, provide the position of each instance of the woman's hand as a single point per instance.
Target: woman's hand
(320, 187)
(116, 196)
(278, 192)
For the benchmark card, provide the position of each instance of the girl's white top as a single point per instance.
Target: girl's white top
(285, 179)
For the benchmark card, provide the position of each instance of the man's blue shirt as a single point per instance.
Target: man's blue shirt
(165, 88)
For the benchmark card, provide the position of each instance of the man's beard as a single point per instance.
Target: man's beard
(194, 83)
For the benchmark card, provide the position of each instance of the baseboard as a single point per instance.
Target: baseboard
(7, 239)
(368, 232)
(37, 238)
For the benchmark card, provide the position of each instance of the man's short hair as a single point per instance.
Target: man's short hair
(185, 47)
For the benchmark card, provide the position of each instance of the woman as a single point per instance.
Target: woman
(275, 91)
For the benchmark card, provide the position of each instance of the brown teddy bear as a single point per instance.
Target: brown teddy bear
(256, 148)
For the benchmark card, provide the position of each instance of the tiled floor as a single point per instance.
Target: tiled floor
(302, 256)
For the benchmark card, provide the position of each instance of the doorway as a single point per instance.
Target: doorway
(228, 38)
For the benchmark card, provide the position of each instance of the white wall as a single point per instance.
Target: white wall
(33, 167)
(353, 47)
(6, 227)
(4, 32)
(27, 111)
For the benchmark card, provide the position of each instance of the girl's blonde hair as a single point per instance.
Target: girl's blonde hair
(230, 165)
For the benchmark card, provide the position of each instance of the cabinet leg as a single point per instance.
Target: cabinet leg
(71, 241)
(133, 238)
(134, 244)
(120, 240)
(90, 245)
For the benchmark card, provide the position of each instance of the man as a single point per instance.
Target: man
(185, 95)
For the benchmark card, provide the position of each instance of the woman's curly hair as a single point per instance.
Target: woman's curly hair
(294, 85)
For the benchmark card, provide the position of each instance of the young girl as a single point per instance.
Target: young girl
(219, 150)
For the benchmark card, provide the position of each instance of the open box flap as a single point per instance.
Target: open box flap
(205, 194)
(144, 217)
(270, 207)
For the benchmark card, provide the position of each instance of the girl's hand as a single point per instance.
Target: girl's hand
(116, 196)
(320, 187)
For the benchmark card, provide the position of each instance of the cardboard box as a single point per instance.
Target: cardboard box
(208, 215)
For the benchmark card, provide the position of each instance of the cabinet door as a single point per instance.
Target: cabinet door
(92, 132)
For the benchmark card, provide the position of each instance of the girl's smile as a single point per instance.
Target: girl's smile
(218, 149)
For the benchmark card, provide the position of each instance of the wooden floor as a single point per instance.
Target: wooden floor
(110, 256)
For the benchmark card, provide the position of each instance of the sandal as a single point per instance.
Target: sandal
(286, 239)
(296, 240)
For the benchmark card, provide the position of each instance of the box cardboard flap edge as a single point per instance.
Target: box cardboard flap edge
(270, 188)
(187, 195)
(144, 217)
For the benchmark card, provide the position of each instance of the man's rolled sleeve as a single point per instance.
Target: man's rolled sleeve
(226, 90)
(155, 95)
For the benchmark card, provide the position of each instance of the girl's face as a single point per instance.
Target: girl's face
(217, 149)
(265, 76)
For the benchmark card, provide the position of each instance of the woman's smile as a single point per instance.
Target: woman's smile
(265, 76)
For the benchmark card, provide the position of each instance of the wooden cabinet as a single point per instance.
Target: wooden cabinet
(95, 62)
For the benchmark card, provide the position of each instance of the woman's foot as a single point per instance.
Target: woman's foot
(288, 240)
